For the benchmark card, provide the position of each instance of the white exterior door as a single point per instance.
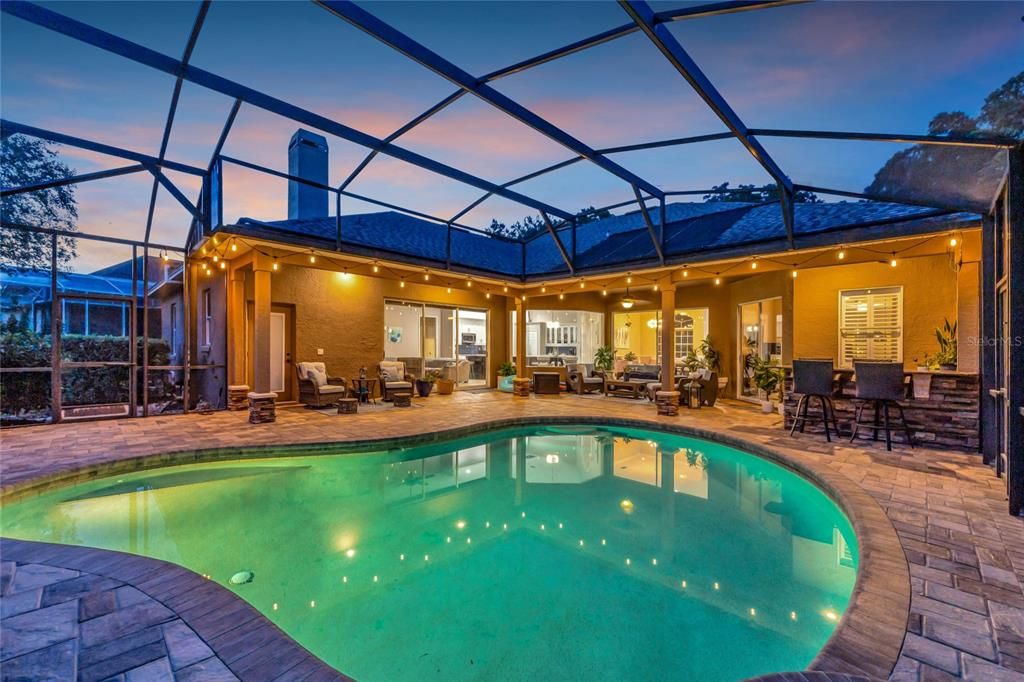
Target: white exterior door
(277, 352)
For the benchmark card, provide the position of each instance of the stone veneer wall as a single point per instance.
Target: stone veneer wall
(948, 418)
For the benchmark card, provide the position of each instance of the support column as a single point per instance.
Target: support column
(520, 336)
(262, 268)
(1015, 330)
(236, 327)
(668, 336)
(989, 419)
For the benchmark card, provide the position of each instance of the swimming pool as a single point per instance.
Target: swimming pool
(541, 552)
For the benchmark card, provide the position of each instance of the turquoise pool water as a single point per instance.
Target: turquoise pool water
(533, 553)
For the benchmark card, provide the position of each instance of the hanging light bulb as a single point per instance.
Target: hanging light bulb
(581, 284)
(402, 283)
(953, 242)
(487, 295)
(655, 287)
(234, 246)
(164, 256)
(794, 273)
(543, 290)
(376, 267)
(893, 261)
(841, 255)
(629, 278)
(753, 265)
(216, 258)
(469, 283)
(426, 276)
(561, 297)
(312, 257)
(505, 288)
(449, 290)
(223, 265)
(686, 273)
(718, 280)
(274, 267)
(604, 292)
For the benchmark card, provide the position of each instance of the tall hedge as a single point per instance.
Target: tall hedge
(24, 393)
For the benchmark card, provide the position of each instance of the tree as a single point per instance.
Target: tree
(528, 226)
(753, 194)
(25, 161)
(964, 176)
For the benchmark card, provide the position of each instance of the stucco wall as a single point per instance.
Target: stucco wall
(344, 315)
(929, 295)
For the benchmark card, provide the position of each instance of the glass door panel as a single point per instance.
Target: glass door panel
(760, 339)
(471, 360)
(404, 327)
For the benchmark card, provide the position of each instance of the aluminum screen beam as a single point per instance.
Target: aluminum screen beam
(419, 53)
(650, 226)
(190, 45)
(11, 127)
(109, 42)
(885, 199)
(73, 180)
(645, 18)
(558, 243)
(572, 48)
(991, 141)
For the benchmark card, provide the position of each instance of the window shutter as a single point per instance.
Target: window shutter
(871, 325)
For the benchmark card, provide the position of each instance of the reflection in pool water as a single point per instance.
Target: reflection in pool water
(533, 553)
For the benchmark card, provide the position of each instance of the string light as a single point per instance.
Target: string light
(543, 289)
(488, 294)
(469, 283)
(581, 284)
(223, 265)
(376, 267)
(629, 278)
(841, 255)
(275, 266)
(655, 287)
(793, 273)
(426, 276)
(686, 273)
(401, 284)
(449, 290)
(893, 261)
(164, 256)
(216, 258)
(753, 265)
(234, 245)
(561, 297)
(312, 257)
(953, 242)
(505, 288)
(718, 280)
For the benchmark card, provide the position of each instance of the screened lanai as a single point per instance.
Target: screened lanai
(524, 149)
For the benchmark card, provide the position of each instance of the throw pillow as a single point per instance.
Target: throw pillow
(315, 375)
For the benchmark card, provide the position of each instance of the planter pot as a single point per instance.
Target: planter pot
(423, 387)
(781, 408)
(948, 367)
(445, 386)
(766, 406)
(505, 383)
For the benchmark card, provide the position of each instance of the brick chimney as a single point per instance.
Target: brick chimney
(307, 158)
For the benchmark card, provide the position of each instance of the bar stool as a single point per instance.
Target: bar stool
(880, 384)
(813, 379)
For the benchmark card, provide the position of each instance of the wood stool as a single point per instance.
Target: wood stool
(402, 399)
(348, 405)
(262, 409)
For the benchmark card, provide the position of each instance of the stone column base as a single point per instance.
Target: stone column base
(667, 402)
(238, 397)
(262, 408)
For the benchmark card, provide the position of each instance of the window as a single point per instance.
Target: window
(870, 325)
(638, 332)
(207, 319)
(560, 336)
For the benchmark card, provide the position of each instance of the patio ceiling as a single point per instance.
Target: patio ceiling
(632, 170)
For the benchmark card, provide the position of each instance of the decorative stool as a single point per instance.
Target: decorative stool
(521, 387)
(348, 405)
(402, 399)
(262, 408)
(667, 402)
(238, 397)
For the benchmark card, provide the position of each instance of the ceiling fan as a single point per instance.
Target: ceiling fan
(628, 301)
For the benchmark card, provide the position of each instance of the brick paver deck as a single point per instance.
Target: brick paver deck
(965, 554)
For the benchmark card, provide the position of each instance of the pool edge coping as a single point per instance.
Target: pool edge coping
(867, 640)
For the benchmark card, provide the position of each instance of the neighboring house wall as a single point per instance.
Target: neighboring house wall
(208, 384)
(929, 296)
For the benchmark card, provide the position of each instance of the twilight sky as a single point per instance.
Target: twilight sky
(863, 66)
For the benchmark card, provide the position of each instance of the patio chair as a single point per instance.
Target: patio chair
(394, 379)
(881, 385)
(814, 379)
(707, 379)
(582, 379)
(316, 389)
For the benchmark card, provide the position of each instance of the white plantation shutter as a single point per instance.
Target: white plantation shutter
(870, 325)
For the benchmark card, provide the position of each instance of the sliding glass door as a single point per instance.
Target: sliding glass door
(426, 337)
(760, 339)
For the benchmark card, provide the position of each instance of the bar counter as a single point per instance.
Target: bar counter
(942, 407)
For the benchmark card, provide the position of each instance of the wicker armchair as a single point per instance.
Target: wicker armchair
(394, 379)
(316, 389)
(582, 379)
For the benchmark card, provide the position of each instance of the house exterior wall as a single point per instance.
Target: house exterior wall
(344, 315)
(930, 288)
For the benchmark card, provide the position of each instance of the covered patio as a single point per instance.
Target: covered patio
(274, 241)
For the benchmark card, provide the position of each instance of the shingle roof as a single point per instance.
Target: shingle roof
(690, 228)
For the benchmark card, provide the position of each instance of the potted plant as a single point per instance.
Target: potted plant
(946, 336)
(712, 360)
(425, 385)
(768, 380)
(507, 372)
(630, 356)
(604, 359)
